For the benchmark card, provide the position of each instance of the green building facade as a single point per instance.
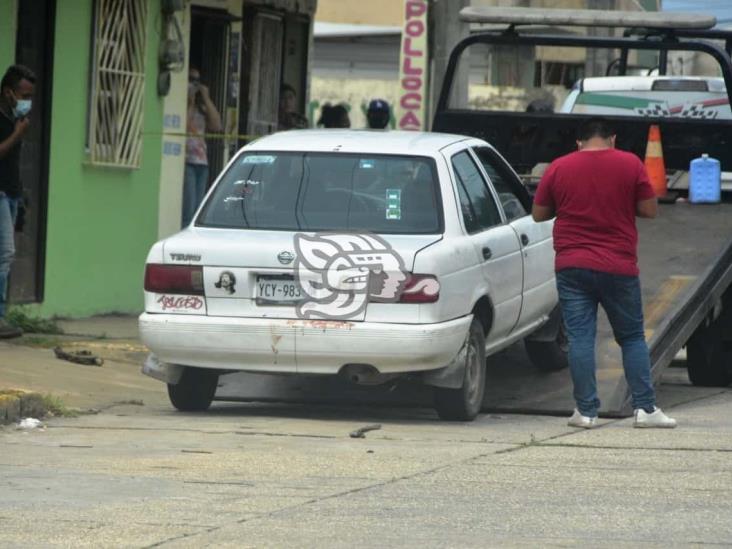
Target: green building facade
(103, 162)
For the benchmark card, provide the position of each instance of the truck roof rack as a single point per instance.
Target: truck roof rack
(587, 18)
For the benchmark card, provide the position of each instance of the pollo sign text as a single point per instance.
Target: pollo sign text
(413, 66)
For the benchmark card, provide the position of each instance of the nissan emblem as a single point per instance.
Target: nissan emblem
(286, 257)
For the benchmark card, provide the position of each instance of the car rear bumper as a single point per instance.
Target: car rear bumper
(300, 346)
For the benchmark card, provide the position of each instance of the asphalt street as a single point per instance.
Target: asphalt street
(139, 474)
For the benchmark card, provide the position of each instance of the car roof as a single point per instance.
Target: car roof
(642, 83)
(358, 141)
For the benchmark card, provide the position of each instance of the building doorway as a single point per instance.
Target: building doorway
(275, 54)
(210, 30)
(34, 48)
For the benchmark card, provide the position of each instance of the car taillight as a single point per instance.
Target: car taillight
(174, 279)
(420, 288)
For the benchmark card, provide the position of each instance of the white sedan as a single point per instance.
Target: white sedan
(371, 255)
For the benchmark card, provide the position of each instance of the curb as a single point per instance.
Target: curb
(16, 404)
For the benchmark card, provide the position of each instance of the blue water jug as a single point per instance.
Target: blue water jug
(705, 180)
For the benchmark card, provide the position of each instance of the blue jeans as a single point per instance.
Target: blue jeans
(580, 291)
(8, 212)
(194, 189)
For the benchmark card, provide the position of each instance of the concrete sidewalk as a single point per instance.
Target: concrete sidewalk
(29, 364)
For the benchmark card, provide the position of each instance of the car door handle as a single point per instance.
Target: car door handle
(524, 239)
(487, 253)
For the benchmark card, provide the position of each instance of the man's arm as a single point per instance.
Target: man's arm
(542, 213)
(213, 119)
(647, 208)
(20, 127)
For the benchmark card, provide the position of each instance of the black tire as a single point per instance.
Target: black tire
(549, 356)
(464, 404)
(708, 362)
(195, 390)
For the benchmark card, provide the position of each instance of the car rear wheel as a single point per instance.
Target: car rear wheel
(195, 390)
(464, 404)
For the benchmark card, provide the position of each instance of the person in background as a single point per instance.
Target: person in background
(378, 114)
(540, 106)
(289, 118)
(16, 95)
(334, 116)
(202, 117)
(596, 193)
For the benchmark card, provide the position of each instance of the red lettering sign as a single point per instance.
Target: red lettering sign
(415, 9)
(408, 48)
(188, 302)
(411, 100)
(409, 69)
(415, 28)
(409, 120)
(412, 83)
(413, 68)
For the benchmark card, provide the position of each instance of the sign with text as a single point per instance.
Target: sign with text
(411, 110)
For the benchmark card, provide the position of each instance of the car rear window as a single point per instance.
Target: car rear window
(326, 192)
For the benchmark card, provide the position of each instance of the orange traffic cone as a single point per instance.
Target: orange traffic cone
(654, 161)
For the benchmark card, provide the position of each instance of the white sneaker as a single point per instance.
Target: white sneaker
(657, 419)
(583, 422)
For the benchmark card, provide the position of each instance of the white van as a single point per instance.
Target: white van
(656, 96)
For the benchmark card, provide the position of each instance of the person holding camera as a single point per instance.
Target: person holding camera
(202, 117)
(16, 94)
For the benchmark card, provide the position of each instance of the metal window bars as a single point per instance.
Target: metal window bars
(118, 89)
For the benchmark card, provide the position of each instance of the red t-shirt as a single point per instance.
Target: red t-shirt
(594, 194)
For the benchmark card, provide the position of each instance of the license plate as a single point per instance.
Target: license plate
(277, 290)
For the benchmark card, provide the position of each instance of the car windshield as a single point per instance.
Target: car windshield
(326, 192)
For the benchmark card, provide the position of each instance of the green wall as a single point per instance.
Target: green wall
(7, 34)
(101, 221)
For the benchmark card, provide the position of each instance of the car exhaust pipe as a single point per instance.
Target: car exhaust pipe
(364, 374)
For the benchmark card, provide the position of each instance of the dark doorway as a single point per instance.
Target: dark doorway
(208, 52)
(275, 53)
(34, 48)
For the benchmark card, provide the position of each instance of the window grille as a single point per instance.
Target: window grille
(118, 83)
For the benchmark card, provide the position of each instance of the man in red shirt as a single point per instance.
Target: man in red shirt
(595, 195)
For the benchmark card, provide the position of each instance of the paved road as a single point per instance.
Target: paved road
(288, 475)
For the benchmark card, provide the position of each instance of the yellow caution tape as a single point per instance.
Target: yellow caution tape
(231, 136)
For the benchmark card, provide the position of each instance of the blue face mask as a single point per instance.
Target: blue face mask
(22, 108)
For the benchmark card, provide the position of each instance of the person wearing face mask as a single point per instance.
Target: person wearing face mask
(202, 117)
(16, 93)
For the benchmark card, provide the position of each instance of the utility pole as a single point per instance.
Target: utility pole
(446, 30)
(597, 61)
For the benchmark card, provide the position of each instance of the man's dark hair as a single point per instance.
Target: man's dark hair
(15, 74)
(595, 127)
(378, 114)
(331, 115)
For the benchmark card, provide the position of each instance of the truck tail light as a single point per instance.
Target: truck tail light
(174, 279)
(420, 288)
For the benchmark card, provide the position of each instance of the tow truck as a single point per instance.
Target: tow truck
(685, 255)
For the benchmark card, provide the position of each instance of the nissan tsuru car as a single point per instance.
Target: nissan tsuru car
(372, 255)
